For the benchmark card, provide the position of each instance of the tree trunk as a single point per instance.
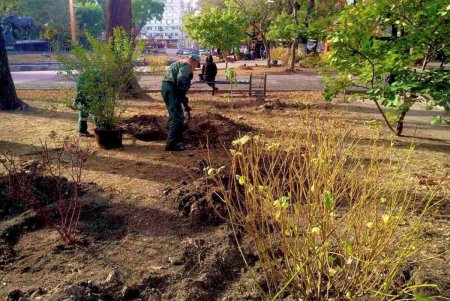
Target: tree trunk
(267, 47)
(400, 121)
(8, 95)
(118, 14)
(294, 54)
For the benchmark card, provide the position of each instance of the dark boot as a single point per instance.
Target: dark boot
(175, 148)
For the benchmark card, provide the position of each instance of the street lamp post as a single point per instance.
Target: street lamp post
(73, 27)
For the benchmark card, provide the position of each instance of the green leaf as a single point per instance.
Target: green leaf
(421, 297)
(348, 246)
(328, 199)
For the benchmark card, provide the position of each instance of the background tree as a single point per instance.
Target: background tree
(8, 95)
(91, 14)
(259, 14)
(377, 43)
(6, 5)
(145, 10)
(222, 29)
(90, 18)
(284, 30)
(50, 16)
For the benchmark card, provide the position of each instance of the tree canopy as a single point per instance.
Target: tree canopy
(387, 47)
(222, 29)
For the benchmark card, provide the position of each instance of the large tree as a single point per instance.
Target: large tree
(8, 95)
(222, 29)
(259, 14)
(118, 13)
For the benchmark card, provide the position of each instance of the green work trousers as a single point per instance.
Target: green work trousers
(83, 115)
(176, 114)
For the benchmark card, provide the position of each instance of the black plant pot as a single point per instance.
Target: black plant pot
(108, 138)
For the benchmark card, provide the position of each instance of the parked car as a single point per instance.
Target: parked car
(203, 52)
(180, 51)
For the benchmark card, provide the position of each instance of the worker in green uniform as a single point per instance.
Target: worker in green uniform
(175, 85)
(81, 104)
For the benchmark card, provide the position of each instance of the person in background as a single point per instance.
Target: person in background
(81, 104)
(209, 73)
(175, 85)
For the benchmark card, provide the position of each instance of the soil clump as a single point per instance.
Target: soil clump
(210, 129)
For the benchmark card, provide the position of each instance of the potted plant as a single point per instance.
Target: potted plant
(103, 73)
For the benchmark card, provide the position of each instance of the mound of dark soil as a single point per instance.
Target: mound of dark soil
(207, 269)
(273, 105)
(209, 129)
(146, 127)
(42, 188)
(213, 129)
(197, 203)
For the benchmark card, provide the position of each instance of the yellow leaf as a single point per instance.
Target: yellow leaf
(241, 180)
(385, 218)
(315, 230)
(332, 271)
(369, 225)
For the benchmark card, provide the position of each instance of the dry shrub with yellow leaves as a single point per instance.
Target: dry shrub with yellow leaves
(326, 223)
(280, 53)
(157, 63)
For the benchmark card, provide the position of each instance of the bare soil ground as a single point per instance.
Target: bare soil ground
(147, 234)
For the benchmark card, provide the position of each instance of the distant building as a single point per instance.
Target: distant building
(167, 32)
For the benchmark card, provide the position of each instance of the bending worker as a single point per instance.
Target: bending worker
(175, 85)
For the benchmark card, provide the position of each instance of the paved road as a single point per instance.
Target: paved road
(51, 80)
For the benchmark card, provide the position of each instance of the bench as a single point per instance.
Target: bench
(257, 91)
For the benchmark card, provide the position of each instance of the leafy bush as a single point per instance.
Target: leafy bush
(106, 71)
(378, 45)
(325, 224)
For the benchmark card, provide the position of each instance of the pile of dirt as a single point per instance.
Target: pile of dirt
(35, 207)
(42, 188)
(197, 203)
(275, 104)
(213, 130)
(146, 127)
(202, 270)
(244, 67)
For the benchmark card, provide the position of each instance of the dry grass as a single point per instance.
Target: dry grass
(31, 58)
